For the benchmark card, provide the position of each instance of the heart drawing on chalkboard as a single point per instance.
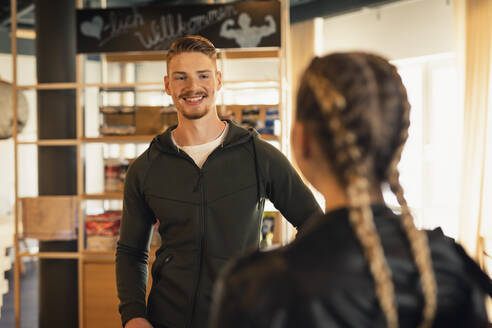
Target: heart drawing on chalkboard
(93, 28)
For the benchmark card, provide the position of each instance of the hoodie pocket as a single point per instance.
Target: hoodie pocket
(159, 264)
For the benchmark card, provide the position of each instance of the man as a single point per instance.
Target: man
(205, 181)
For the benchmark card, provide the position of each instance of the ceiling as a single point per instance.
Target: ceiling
(299, 9)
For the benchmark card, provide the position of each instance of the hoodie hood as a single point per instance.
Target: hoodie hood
(236, 135)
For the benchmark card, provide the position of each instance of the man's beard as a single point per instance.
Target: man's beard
(194, 115)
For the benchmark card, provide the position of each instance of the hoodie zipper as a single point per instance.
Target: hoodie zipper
(203, 229)
(199, 185)
(196, 283)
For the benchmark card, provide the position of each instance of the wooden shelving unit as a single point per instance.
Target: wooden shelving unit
(51, 255)
(89, 262)
(51, 142)
(103, 196)
(95, 254)
(119, 139)
(99, 253)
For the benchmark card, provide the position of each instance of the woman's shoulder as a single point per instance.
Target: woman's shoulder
(251, 287)
(451, 259)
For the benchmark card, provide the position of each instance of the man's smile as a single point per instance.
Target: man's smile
(193, 100)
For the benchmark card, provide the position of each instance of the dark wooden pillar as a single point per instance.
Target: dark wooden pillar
(57, 170)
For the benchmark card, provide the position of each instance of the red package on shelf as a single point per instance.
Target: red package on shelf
(102, 228)
(105, 224)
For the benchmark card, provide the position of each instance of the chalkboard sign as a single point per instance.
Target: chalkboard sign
(152, 28)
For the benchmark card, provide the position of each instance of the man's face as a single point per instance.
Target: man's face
(193, 82)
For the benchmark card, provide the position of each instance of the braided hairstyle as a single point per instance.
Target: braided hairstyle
(357, 108)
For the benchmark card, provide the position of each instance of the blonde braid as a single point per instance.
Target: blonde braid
(356, 178)
(418, 240)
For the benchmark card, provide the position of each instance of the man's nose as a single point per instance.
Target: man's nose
(191, 83)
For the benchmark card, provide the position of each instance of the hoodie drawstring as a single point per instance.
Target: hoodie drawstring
(155, 139)
(257, 171)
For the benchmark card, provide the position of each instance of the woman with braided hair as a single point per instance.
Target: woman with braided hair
(360, 264)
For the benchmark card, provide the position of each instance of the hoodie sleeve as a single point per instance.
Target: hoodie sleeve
(133, 246)
(284, 187)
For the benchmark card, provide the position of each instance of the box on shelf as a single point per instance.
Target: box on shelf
(102, 243)
(102, 230)
(149, 120)
(117, 120)
(49, 218)
(114, 173)
(271, 226)
(170, 118)
(249, 117)
(270, 124)
(136, 120)
(265, 120)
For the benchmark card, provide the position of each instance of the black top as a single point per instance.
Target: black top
(323, 280)
(206, 215)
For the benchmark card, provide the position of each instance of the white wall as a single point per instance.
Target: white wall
(27, 163)
(404, 29)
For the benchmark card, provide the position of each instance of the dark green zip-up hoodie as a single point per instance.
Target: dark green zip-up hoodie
(206, 216)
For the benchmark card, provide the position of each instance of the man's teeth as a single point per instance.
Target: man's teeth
(194, 99)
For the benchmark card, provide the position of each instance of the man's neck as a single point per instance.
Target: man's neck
(198, 132)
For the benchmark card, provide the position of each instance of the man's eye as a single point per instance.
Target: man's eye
(204, 76)
(179, 78)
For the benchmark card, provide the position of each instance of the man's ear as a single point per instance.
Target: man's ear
(219, 80)
(166, 85)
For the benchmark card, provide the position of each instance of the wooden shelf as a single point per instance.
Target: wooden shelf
(145, 139)
(125, 57)
(105, 256)
(123, 84)
(51, 142)
(275, 82)
(160, 56)
(242, 107)
(99, 253)
(251, 84)
(119, 109)
(119, 139)
(73, 85)
(49, 86)
(103, 196)
(127, 85)
(250, 53)
(51, 255)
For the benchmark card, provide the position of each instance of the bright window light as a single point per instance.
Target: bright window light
(430, 167)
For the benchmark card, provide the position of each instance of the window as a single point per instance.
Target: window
(430, 167)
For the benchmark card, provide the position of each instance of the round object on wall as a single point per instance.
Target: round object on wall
(6, 115)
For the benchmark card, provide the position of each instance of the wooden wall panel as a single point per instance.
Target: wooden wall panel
(100, 296)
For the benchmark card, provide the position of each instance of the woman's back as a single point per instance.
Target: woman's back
(359, 265)
(323, 280)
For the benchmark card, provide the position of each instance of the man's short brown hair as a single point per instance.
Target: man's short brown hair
(191, 43)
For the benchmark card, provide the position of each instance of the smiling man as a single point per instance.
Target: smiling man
(205, 181)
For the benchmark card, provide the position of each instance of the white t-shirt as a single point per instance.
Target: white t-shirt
(199, 153)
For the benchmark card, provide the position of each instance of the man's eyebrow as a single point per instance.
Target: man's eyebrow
(199, 72)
